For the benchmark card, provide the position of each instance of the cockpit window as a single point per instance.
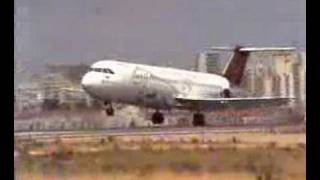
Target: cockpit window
(111, 71)
(108, 71)
(104, 70)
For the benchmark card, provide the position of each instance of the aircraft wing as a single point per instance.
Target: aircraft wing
(239, 102)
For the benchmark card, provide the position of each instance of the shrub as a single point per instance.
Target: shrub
(57, 140)
(191, 162)
(235, 140)
(62, 151)
(195, 140)
(116, 147)
(272, 145)
(301, 145)
(182, 140)
(111, 138)
(211, 148)
(114, 166)
(146, 169)
(146, 146)
(102, 141)
(264, 166)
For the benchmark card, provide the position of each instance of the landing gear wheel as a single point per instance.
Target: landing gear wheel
(198, 120)
(226, 93)
(157, 118)
(110, 111)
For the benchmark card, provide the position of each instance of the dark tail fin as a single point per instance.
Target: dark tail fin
(235, 68)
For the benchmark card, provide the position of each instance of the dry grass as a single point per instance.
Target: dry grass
(272, 163)
(186, 142)
(246, 156)
(155, 176)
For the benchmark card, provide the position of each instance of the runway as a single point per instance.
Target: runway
(155, 131)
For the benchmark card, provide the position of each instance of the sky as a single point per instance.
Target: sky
(156, 32)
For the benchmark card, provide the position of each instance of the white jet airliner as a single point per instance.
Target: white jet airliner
(163, 88)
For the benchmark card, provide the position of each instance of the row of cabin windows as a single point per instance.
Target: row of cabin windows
(104, 70)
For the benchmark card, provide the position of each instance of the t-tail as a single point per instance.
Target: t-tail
(235, 68)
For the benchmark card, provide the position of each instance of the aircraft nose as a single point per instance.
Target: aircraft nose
(87, 82)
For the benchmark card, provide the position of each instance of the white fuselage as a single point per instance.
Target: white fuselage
(152, 86)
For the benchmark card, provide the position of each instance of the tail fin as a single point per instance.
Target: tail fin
(235, 68)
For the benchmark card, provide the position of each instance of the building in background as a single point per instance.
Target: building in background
(72, 73)
(292, 72)
(276, 74)
(302, 75)
(50, 92)
(213, 62)
(208, 62)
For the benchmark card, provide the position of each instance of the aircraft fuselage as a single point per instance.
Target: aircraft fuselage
(151, 86)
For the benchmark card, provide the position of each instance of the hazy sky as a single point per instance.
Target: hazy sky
(150, 31)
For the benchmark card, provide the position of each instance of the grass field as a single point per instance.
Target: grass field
(223, 157)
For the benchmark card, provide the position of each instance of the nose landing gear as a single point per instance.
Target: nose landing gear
(109, 109)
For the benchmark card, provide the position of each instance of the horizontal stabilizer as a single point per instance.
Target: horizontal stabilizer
(253, 49)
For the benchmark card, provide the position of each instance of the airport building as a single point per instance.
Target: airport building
(292, 72)
(56, 86)
(266, 74)
(208, 62)
(276, 75)
(27, 96)
(302, 76)
(72, 73)
(50, 91)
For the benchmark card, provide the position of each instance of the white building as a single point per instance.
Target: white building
(302, 75)
(201, 63)
(208, 62)
(292, 72)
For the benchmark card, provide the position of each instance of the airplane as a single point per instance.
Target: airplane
(165, 88)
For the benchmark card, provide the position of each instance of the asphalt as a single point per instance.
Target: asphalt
(144, 132)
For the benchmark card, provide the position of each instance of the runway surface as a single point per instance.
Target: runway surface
(148, 132)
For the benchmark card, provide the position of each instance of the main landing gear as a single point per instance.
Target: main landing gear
(109, 109)
(157, 118)
(198, 119)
